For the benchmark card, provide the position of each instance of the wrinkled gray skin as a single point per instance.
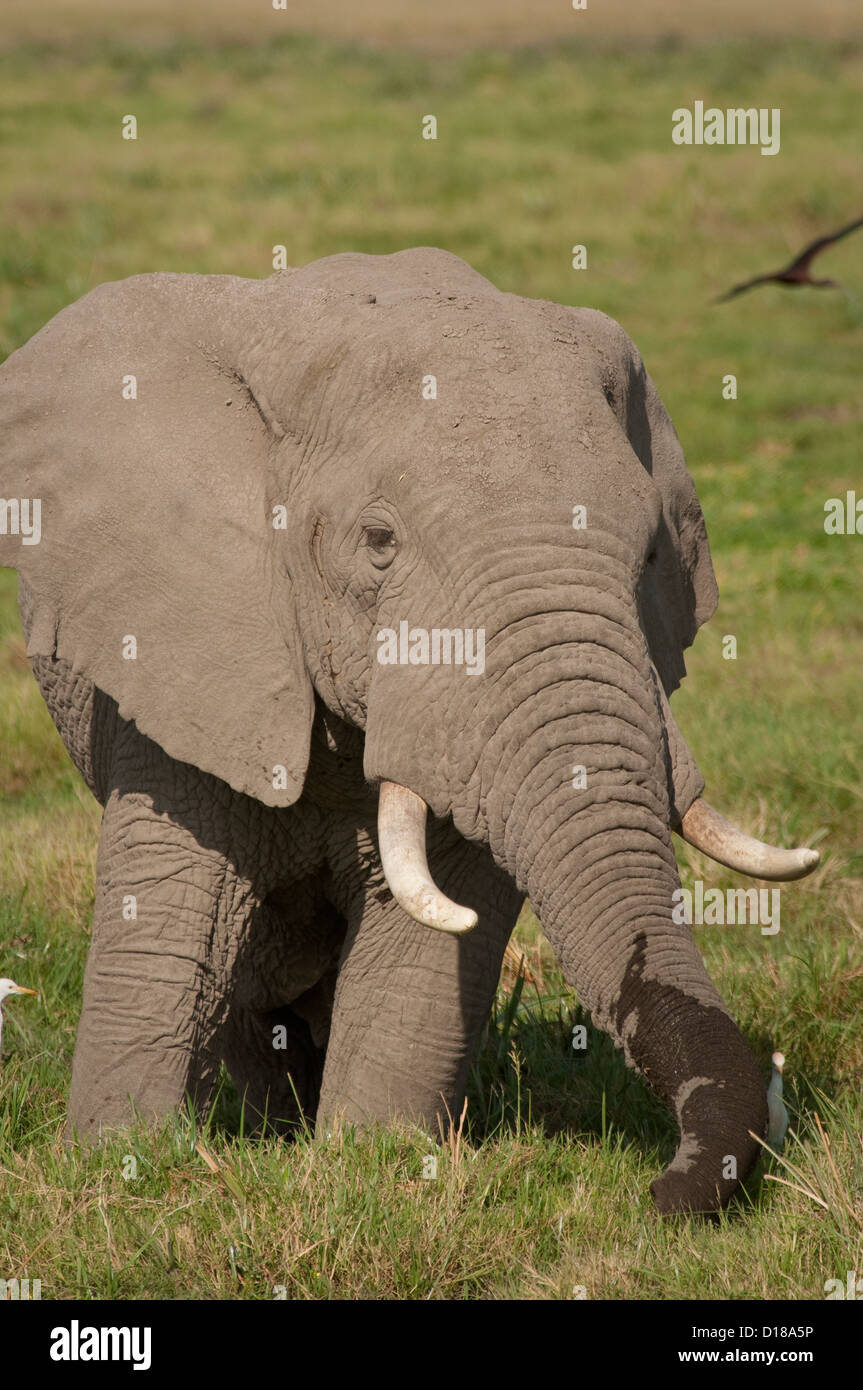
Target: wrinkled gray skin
(256, 648)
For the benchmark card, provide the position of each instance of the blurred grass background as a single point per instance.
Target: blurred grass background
(446, 26)
(257, 128)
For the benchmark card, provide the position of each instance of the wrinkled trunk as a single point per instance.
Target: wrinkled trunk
(602, 882)
(565, 759)
(597, 863)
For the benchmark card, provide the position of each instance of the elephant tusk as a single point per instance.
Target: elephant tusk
(401, 837)
(717, 837)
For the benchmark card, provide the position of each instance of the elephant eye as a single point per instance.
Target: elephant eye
(381, 545)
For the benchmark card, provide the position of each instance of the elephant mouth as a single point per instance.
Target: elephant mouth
(402, 841)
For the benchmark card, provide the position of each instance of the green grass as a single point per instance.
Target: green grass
(318, 147)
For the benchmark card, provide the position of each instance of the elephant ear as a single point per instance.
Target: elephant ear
(677, 591)
(157, 575)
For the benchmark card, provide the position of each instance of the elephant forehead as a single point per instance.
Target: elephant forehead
(509, 446)
(499, 436)
(423, 294)
(483, 336)
(425, 370)
(444, 372)
(385, 322)
(413, 270)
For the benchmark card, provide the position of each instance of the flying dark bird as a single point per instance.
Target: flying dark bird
(797, 272)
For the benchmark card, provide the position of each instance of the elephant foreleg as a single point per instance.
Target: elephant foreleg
(164, 937)
(411, 1002)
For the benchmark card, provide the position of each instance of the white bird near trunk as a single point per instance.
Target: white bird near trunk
(9, 987)
(777, 1121)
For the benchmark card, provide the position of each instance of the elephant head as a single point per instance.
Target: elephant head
(461, 520)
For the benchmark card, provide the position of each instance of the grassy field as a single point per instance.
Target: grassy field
(308, 142)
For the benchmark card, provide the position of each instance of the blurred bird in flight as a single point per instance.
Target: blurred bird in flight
(798, 271)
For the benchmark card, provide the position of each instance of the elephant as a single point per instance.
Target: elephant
(304, 559)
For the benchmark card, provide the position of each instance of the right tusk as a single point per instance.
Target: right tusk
(717, 837)
(401, 837)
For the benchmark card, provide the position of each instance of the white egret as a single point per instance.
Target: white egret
(777, 1114)
(9, 987)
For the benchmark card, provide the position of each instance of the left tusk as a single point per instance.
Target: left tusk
(717, 837)
(401, 837)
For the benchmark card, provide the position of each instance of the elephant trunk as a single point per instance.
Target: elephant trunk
(567, 762)
(579, 813)
(602, 878)
(693, 1055)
